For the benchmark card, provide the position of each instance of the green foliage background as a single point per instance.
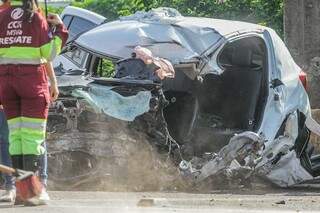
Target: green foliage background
(265, 12)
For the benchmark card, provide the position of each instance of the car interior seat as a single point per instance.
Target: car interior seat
(234, 94)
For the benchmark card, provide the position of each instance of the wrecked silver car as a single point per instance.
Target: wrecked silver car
(236, 107)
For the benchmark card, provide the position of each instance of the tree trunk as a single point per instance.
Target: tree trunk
(302, 30)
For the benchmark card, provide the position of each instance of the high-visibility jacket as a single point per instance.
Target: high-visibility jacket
(24, 42)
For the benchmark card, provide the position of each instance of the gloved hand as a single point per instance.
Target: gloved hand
(54, 19)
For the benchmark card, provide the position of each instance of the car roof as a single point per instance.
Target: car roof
(222, 26)
(164, 31)
(85, 14)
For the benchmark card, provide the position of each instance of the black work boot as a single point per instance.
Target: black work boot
(31, 163)
(17, 161)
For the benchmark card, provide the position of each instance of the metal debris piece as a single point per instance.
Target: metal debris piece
(240, 156)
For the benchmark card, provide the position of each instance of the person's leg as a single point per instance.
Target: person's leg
(10, 193)
(34, 110)
(4, 149)
(13, 114)
(44, 166)
(44, 174)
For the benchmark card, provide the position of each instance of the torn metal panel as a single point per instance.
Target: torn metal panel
(287, 171)
(242, 153)
(280, 163)
(246, 155)
(281, 146)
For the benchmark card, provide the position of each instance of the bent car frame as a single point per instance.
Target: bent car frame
(237, 106)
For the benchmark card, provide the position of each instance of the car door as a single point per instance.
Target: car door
(77, 21)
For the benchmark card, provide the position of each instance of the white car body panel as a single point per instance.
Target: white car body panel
(85, 14)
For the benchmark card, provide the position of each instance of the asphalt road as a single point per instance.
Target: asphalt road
(96, 202)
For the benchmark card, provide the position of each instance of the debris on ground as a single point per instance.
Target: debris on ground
(282, 202)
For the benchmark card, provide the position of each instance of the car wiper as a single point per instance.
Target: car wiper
(69, 45)
(59, 70)
(66, 48)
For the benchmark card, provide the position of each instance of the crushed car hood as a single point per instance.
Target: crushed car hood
(164, 31)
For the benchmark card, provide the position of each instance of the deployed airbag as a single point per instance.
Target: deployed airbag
(105, 100)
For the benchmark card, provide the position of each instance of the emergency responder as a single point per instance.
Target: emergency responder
(26, 45)
(10, 192)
